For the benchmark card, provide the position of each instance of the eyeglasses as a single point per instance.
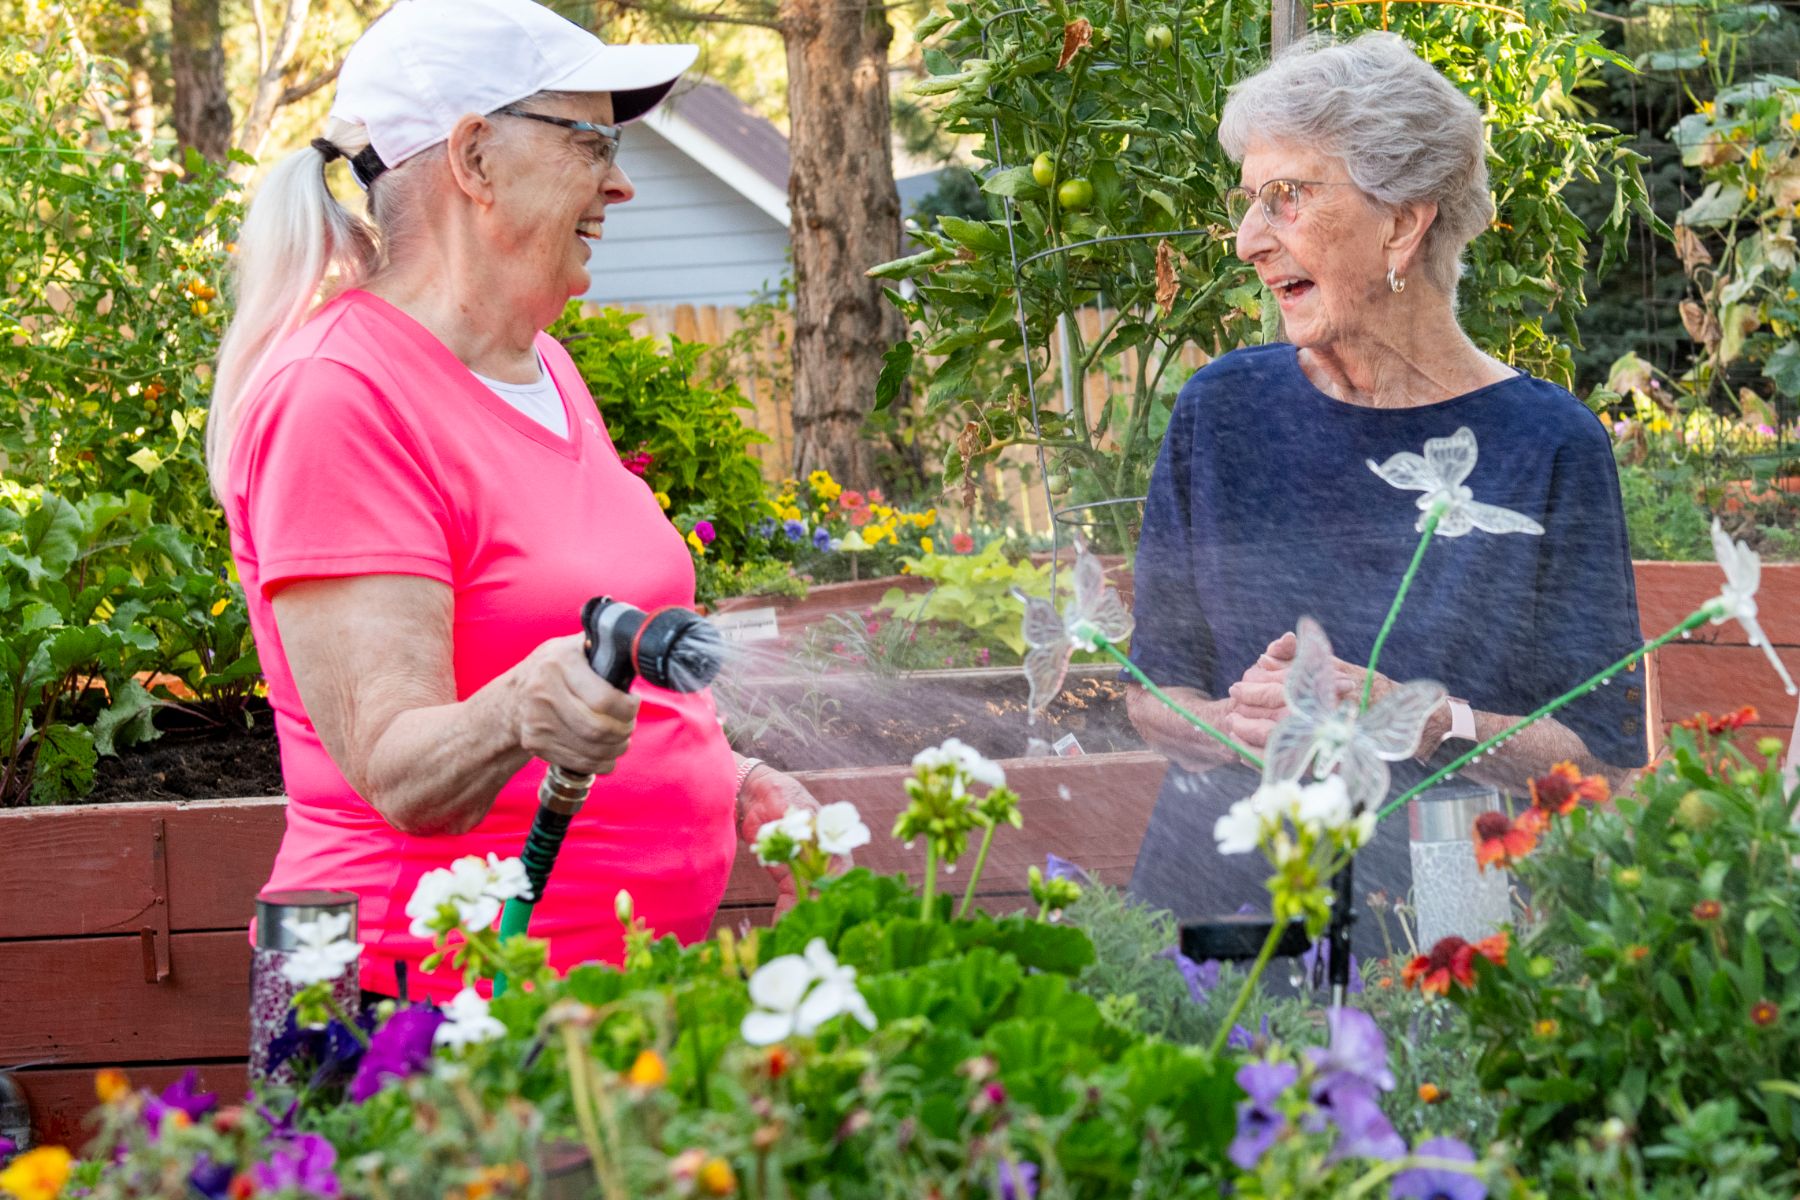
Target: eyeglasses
(603, 147)
(1280, 199)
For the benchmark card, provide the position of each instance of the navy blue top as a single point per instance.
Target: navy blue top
(1262, 509)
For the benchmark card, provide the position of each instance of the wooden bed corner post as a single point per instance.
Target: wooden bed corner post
(1287, 24)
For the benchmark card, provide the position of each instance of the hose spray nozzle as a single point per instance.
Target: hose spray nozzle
(670, 647)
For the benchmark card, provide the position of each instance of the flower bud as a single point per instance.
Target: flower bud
(622, 906)
(1628, 879)
(1539, 967)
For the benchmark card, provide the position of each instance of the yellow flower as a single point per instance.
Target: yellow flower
(1794, 122)
(790, 513)
(1659, 424)
(662, 501)
(717, 1178)
(1757, 159)
(648, 1071)
(223, 603)
(37, 1174)
(1705, 47)
(925, 545)
(1750, 191)
(823, 485)
(1707, 107)
(694, 542)
(111, 1085)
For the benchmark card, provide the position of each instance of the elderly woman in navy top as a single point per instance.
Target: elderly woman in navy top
(1363, 180)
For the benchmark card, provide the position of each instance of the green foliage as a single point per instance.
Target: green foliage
(697, 443)
(1663, 516)
(1738, 239)
(112, 552)
(1660, 988)
(973, 590)
(1137, 121)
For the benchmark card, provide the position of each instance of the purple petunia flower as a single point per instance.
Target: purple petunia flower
(1259, 1124)
(1363, 1129)
(794, 530)
(8, 1147)
(210, 1179)
(399, 1049)
(178, 1096)
(1057, 867)
(1017, 1181)
(333, 1053)
(1242, 1039)
(1438, 1183)
(821, 538)
(1316, 963)
(304, 1163)
(1356, 1048)
(705, 532)
(1202, 977)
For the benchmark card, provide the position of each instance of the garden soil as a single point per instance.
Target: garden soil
(208, 757)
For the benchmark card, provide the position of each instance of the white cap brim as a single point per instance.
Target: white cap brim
(639, 77)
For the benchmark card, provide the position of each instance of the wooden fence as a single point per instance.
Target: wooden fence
(756, 358)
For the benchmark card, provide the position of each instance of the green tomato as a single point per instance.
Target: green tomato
(1075, 194)
(1056, 483)
(1043, 169)
(1159, 38)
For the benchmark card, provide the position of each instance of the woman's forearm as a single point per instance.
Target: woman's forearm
(1527, 754)
(1168, 734)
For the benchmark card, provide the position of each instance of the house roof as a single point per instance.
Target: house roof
(746, 151)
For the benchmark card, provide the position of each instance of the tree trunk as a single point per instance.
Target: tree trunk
(845, 219)
(202, 112)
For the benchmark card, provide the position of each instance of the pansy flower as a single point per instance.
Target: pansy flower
(1439, 1183)
(1501, 841)
(1440, 473)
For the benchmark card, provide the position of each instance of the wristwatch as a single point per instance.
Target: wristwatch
(1462, 722)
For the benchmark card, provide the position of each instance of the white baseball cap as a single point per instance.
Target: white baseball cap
(426, 64)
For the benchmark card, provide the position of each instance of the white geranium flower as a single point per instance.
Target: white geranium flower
(324, 948)
(1324, 805)
(473, 887)
(468, 1021)
(1439, 473)
(1053, 637)
(1737, 599)
(1328, 734)
(1239, 831)
(965, 758)
(840, 828)
(797, 993)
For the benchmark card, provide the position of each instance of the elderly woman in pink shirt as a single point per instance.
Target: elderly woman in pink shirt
(422, 494)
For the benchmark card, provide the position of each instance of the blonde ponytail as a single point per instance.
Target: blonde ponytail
(295, 237)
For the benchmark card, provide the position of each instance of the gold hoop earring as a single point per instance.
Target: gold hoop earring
(1396, 283)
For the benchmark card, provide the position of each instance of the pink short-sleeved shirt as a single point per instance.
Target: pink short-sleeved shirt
(367, 448)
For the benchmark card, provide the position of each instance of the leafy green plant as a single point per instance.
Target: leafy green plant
(684, 437)
(1737, 241)
(973, 590)
(76, 580)
(1092, 127)
(1653, 1001)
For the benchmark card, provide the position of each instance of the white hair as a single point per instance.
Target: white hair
(1404, 133)
(298, 246)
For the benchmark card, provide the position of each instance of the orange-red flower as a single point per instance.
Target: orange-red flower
(1430, 1093)
(1500, 840)
(1764, 1014)
(1452, 960)
(850, 499)
(1563, 787)
(1708, 910)
(779, 1061)
(111, 1085)
(1729, 723)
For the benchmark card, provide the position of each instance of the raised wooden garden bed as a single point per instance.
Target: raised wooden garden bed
(125, 938)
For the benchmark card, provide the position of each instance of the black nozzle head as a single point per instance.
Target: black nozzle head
(672, 647)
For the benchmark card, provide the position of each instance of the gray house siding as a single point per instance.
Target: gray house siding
(686, 238)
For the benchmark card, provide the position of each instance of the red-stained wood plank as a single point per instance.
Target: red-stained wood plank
(1669, 591)
(82, 1001)
(61, 1099)
(1722, 679)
